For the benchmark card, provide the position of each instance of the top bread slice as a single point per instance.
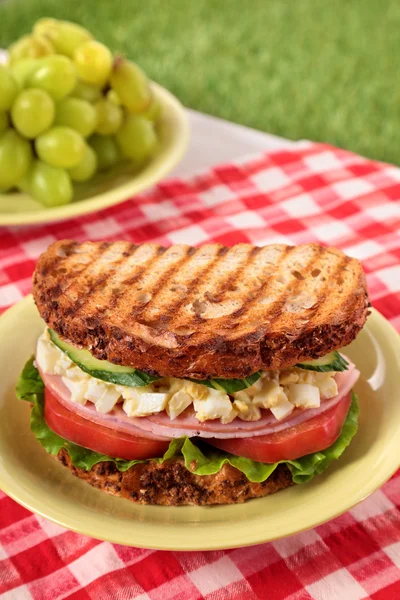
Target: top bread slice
(201, 312)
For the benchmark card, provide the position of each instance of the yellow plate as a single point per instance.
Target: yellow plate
(30, 476)
(116, 185)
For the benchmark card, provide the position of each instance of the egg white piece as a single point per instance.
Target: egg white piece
(304, 395)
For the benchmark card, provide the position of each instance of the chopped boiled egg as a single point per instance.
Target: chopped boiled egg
(143, 404)
(232, 415)
(214, 405)
(255, 388)
(304, 395)
(327, 388)
(178, 403)
(196, 390)
(290, 376)
(271, 394)
(47, 355)
(63, 364)
(246, 410)
(104, 395)
(282, 410)
(77, 389)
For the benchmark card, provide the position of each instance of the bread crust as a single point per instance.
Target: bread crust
(81, 295)
(171, 484)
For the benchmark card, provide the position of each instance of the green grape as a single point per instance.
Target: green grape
(93, 62)
(15, 158)
(4, 122)
(131, 85)
(50, 185)
(87, 167)
(86, 91)
(153, 112)
(77, 114)
(23, 69)
(107, 151)
(24, 184)
(113, 97)
(8, 88)
(64, 35)
(30, 46)
(109, 117)
(56, 75)
(43, 24)
(60, 147)
(32, 112)
(136, 138)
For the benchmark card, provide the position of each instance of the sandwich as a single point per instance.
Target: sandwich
(200, 376)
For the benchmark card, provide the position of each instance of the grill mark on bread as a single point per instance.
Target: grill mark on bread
(264, 288)
(116, 294)
(315, 311)
(213, 346)
(174, 307)
(59, 290)
(131, 250)
(87, 292)
(49, 267)
(98, 286)
(276, 309)
(339, 266)
(162, 281)
(91, 289)
(217, 290)
(345, 305)
(226, 284)
(149, 266)
(82, 274)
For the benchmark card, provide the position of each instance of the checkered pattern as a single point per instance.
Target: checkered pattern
(311, 193)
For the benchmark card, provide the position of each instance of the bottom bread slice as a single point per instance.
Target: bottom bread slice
(171, 484)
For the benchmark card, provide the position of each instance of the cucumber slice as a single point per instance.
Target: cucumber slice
(230, 385)
(330, 362)
(102, 369)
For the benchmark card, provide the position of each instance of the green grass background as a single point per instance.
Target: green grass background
(327, 70)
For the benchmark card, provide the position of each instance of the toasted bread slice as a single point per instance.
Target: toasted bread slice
(171, 484)
(201, 312)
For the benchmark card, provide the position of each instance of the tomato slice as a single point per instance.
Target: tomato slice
(96, 437)
(310, 436)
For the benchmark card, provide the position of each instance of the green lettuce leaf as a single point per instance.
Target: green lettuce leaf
(29, 383)
(200, 458)
(210, 460)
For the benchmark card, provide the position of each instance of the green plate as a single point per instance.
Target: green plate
(35, 480)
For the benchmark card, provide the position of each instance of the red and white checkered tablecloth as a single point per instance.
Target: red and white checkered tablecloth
(313, 192)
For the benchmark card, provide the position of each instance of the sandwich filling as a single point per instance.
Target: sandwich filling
(279, 392)
(269, 416)
(199, 458)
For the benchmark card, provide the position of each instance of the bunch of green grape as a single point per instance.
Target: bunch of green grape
(69, 108)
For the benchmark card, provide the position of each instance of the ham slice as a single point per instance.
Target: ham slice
(161, 427)
(116, 419)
